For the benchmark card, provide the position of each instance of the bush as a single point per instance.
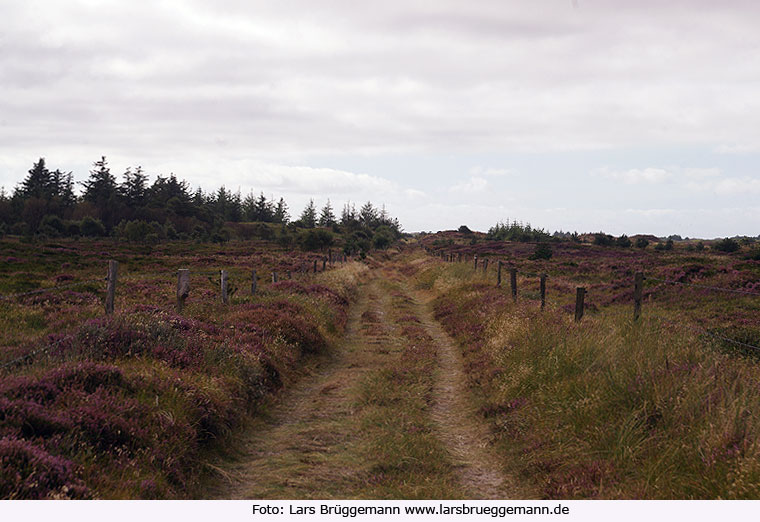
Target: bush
(642, 242)
(92, 227)
(542, 251)
(381, 241)
(464, 229)
(317, 239)
(727, 245)
(603, 239)
(623, 241)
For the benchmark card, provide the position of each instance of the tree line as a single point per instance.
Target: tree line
(46, 204)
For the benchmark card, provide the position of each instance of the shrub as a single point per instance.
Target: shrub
(542, 251)
(727, 245)
(623, 241)
(642, 242)
(92, 227)
(464, 229)
(603, 239)
(316, 239)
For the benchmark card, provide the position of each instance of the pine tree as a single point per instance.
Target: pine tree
(327, 217)
(264, 211)
(368, 215)
(249, 207)
(101, 186)
(134, 188)
(281, 214)
(38, 183)
(309, 215)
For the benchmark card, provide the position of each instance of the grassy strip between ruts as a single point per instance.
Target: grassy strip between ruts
(604, 408)
(405, 459)
(125, 406)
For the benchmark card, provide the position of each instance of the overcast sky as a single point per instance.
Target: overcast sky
(624, 116)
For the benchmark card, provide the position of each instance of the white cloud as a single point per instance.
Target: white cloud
(474, 184)
(491, 172)
(636, 176)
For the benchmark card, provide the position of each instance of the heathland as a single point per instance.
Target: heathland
(404, 374)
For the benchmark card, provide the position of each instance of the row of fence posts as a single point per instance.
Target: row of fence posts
(580, 292)
(183, 281)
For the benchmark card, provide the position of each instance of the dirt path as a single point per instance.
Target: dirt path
(464, 434)
(315, 442)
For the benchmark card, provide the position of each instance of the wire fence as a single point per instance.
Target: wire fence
(494, 262)
(51, 289)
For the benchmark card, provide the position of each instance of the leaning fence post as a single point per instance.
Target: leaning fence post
(637, 288)
(113, 271)
(580, 294)
(253, 282)
(543, 291)
(513, 282)
(223, 285)
(183, 287)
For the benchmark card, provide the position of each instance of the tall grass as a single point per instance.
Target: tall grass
(606, 408)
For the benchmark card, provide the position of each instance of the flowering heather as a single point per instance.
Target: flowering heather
(124, 406)
(605, 408)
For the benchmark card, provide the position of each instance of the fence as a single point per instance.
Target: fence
(580, 295)
(183, 290)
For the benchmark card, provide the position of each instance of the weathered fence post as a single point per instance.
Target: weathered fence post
(324, 263)
(476, 261)
(183, 287)
(223, 284)
(542, 287)
(580, 294)
(253, 282)
(513, 282)
(113, 272)
(315, 266)
(485, 265)
(498, 273)
(274, 277)
(637, 289)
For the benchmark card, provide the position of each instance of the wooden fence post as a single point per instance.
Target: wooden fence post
(315, 266)
(513, 282)
(274, 277)
(580, 294)
(183, 287)
(223, 285)
(498, 273)
(113, 272)
(253, 282)
(476, 261)
(290, 274)
(324, 263)
(485, 265)
(542, 287)
(637, 289)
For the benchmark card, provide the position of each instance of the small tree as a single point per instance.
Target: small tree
(727, 245)
(327, 217)
(309, 215)
(542, 251)
(623, 241)
(642, 242)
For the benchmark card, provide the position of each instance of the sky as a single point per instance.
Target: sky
(607, 115)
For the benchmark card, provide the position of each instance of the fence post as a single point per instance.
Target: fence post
(485, 265)
(183, 287)
(223, 285)
(543, 291)
(324, 263)
(253, 282)
(637, 288)
(476, 261)
(113, 272)
(498, 273)
(513, 282)
(580, 294)
(459, 257)
(274, 277)
(315, 266)
(290, 274)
